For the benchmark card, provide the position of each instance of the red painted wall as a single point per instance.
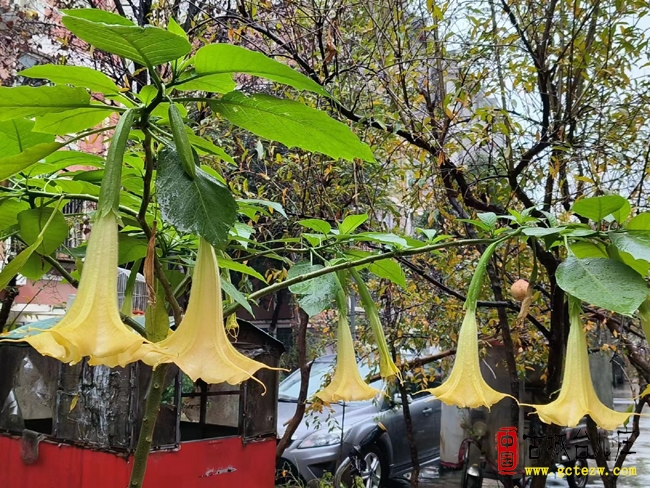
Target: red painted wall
(214, 463)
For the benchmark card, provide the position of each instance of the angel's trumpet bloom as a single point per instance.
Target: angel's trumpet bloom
(347, 384)
(200, 345)
(577, 396)
(387, 367)
(92, 327)
(465, 386)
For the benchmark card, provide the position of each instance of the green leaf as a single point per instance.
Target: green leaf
(622, 213)
(11, 165)
(293, 124)
(63, 159)
(639, 265)
(597, 208)
(488, 218)
(32, 222)
(541, 231)
(16, 264)
(428, 233)
(218, 83)
(240, 268)
(9, 210)
(97, 15)
(28, 101)
(390, 270)
(317, 294)
(316, 224)
(175, 28)
(35, 267)
(586, 249)
(95, 81)
(381, 238)
(131, 248)
(604, 283)
(351, 222)
(640, 222)
(70, 121)
(635, 243)
(226, 58)
(203, 205)
(204, 146)
(17, 135)
(236, 295)
(263, 203)
(148, 46)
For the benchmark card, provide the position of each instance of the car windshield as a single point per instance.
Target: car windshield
(290, 387)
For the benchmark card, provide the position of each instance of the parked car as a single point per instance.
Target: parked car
(323, 439)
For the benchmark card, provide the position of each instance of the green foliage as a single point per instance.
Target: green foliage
(314, 295)
(81, 76)
(31, 224)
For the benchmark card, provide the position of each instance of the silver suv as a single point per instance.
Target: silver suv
(324, 439)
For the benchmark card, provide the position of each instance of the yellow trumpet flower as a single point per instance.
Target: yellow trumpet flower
(92, 327)
(200, 345)
(577, 396)
(347, 384)
(465, 386)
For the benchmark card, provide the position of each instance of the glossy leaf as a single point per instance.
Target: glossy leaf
(71, 121)
(35, 267)
(9, 210)
(316, 224)
(586, 249)
(83, 76)
(314, 295)
(97, 15)
(639, 222)
(16, 264)
(148, 46)
(203, 205)
(351, 222)
(293, 124)
(236, 295)
(130, 248)
(32, 222)
(11, 165)
(240, 268)
(390, 270)
(17, 135)
(604, 283)
(597, 208)
(28, 101)
(225, 58)
(215, 83)
(636, 243)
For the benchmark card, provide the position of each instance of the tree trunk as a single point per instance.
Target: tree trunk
(413, 448)
(11, 292)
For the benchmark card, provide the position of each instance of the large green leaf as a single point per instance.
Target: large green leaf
(95, 81)
(316, 224)
(202, 145)
(131, 248)
(148, 46)
(28, 101)
(35, 267)
(390, 270)
(203, 205)
(293, 124)
(635, 243)
(9, 210)
(605, 283)
(16, 264)
(215, 83)
(314, 295)
(225, 58)
(32, 222)
(587, 249)
(240, 268)
(17, 135)
(597, 208)
(351, 222)
(11, 165)
(639, 265)
(63, 159)
(639, 222)
(97, 15)
(70, 121)
(236, 295)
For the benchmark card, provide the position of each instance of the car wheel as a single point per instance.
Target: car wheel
(578, 480)
(376, 473)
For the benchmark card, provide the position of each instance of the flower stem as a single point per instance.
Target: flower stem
(151, 410)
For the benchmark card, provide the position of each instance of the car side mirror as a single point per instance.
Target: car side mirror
(397, 399)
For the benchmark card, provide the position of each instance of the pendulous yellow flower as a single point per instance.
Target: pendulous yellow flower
(577, 396)
(200, 345)
(465, 386)
(347, 384)
(92, 327)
